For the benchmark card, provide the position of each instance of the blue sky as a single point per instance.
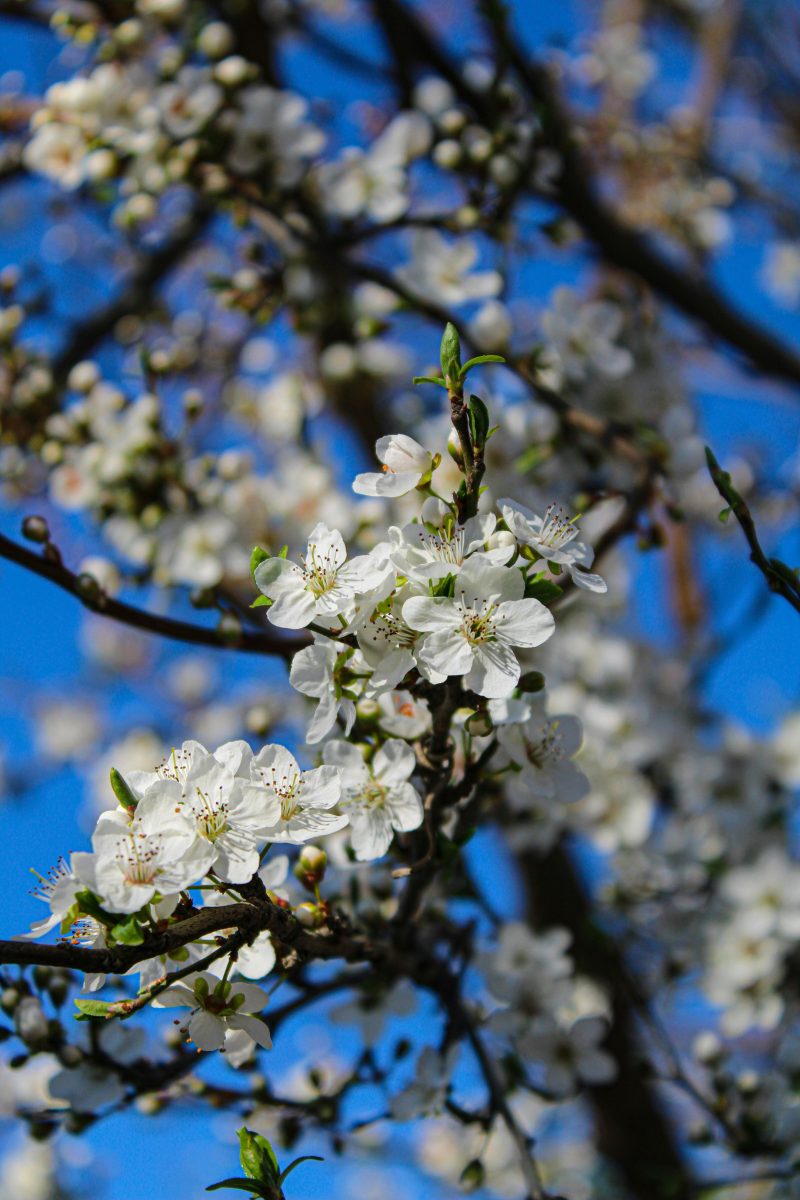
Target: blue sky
(173, 1157)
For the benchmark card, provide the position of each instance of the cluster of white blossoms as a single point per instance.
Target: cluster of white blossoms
(435, 619)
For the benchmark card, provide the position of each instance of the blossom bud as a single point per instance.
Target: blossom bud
(36, 529)
(232, 71)
(503, 537)
(229, 627)
(503, 169)
(748, 1082)
(101, 165)
(30, 1022)
(309, 915)
(83, 376)
(452, 121)
(10, 319)
(368, 709)
(129, 32)
(454, 447)
(215, 39)
(192, 402)
(88, 588)
(479, 724)
(313, 860)
(447, 154)
(9, 999)
(467, 217)
(708, 1049)
(434, 510)
(165, 10)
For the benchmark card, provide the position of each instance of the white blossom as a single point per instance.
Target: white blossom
(404, 464)
(219, 1009)
(552, 537)
(473, 633)
(376, 795)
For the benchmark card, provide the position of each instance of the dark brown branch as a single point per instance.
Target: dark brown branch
(117, 610)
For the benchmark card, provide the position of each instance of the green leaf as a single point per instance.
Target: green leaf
(89, 1009)
(258, 1158)
(723, 516)
(256, 558)
(481, 358)
(284, 550)
(450, 352)
(246, 1185)
(478, 422)
(122, 791)
(261, 602)
(429, 379)
(90, 907)
(128, 932)
(303, 1158)
(543, 590)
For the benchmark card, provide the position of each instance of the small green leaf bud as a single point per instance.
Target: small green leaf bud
(450, 353)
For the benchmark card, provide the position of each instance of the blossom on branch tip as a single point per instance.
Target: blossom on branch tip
(405, 462)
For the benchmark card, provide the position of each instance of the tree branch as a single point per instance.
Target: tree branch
(780, 578)
(117, 610)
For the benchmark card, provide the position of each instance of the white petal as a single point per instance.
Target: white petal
(588, 582)
(405, 808)
(394, 762)
(254, 1028)
(388, 483)
(446, 652)
(206, 1031)
(495, 670)
(524, 623)
(430, 613)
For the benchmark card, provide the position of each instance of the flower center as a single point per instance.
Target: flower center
(138, 861)
(319, 572)
(211, 816)
(442, 548)
(556, 530)
(547, 748)
(478, 624)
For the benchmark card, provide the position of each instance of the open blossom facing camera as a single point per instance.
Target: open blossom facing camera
(322, 588)
(303, 798)
(475, 632)
(377, 795)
